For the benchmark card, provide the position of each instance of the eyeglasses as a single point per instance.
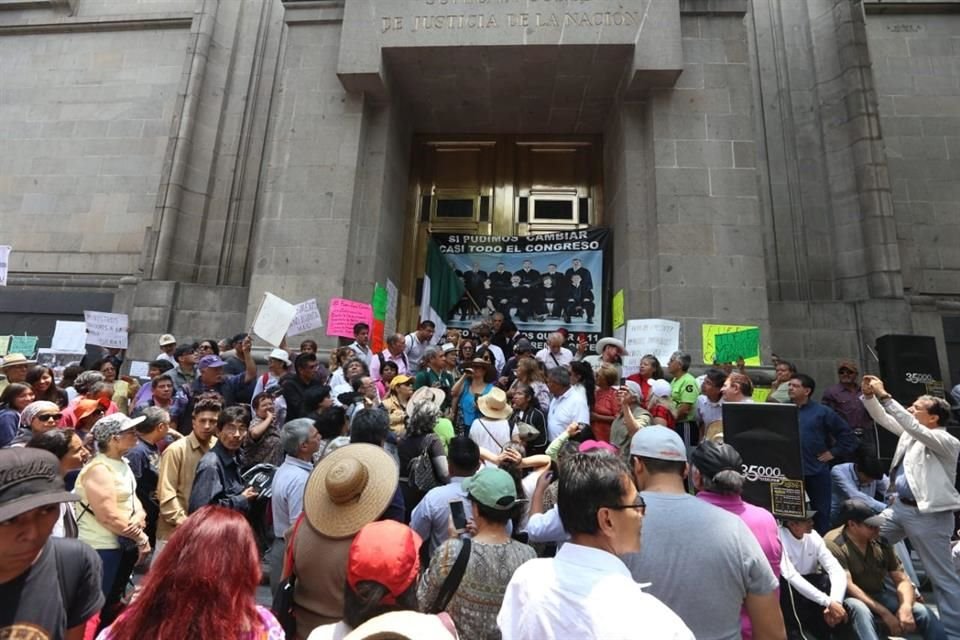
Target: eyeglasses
(50, 416)
(233, 429)
(638, 504)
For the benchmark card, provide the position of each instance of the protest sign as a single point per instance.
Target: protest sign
(343, 314)
(4, 345)
(659, 337)
(140, 369)
(767, 436)
(27, 345)
(306, 319)
(273, 319)
(69, 337)
(58, 360)
(4, 264)
(617, 310)
(379, 304)
(393, 299)
(106, 329)
(726, 343)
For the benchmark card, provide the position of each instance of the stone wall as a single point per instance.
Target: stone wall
(916, 67)
(84, 122)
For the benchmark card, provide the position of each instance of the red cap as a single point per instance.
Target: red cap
(385, 552)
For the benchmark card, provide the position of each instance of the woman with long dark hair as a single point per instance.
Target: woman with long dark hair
(14, 399)
(40, 377)
(203, 586)
(581, 378)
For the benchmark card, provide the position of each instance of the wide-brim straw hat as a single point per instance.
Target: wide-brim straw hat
(425, 394)
(477, 362)
(16, 358)
(612, 342)
(349, 488)
(494, 405)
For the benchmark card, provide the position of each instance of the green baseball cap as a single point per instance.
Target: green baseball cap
(493, 488)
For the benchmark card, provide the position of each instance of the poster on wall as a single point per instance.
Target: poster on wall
(542, 282)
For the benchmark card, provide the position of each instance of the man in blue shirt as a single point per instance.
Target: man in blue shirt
(300, 440)
(819, 427)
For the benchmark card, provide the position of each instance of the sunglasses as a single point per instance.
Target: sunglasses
(843, 371)
(638, 504)
(50, 416)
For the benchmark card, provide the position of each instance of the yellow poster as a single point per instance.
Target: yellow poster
(618, 320)
(728, 342)
(760, 394)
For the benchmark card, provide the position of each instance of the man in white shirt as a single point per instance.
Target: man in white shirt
(586, 591)
(554, 354)
(567, 405)
(361, 342)
(430, 519)
(168, 345)
(710, 400)
(812, 584)
(415, 343)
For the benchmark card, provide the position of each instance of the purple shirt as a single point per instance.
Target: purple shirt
(847, 403)
(763, 526)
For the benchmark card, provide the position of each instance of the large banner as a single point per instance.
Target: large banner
(542, 282)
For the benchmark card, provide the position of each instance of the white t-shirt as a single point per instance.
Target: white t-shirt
(551, 360)
(804, 556)
(492, 435)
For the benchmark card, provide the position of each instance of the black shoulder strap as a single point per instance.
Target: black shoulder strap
(382, 360)
(61, 577)
(452, 583)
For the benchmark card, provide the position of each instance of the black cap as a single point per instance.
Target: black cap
(29, 478)
(712, 458)
(523, 346)
(859, 511)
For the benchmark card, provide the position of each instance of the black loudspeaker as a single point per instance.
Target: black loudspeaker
(909, 367)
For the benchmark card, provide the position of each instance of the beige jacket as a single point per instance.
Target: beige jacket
(929, 456)
(178, 468)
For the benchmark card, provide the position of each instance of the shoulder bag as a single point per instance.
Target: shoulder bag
(420, 472)
(452, 582)
(282, 605)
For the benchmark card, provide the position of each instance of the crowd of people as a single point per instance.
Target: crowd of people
(450, 486)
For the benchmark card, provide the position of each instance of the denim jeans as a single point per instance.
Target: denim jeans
(865, 624)
(820, 490)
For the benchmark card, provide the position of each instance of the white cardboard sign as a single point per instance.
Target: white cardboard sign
(273, 319)
(659, 337)
(306, 319)
(106, 329)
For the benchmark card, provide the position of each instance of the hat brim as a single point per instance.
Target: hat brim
(611, 342)
(132, 423)
(425, 394)
(18, 362)
(483, 404)
(875, 521)
(20, 506)
(341, 521)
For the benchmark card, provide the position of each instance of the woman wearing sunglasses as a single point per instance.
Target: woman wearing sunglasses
(36, 418)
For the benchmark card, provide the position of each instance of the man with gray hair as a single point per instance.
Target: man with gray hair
(144, 461)
(433, 373)
(554, 354)
(567, 406)
(717, 478)
(300, 440)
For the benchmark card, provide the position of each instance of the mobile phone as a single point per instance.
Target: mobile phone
(581, 337)
(459, 515)
(623, 381)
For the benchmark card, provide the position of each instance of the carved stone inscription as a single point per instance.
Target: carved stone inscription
(457, 15)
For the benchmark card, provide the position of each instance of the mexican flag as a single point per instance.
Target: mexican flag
(442, 289)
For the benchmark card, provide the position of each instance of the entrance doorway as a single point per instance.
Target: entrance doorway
(497, 185)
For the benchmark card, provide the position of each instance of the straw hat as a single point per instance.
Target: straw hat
(425, 394)
(612, 342)
(408, 625)
(478, 362)
(494, 405)
(14, 359)
(349, 488)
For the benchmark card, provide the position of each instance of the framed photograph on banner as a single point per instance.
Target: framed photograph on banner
(768, 439)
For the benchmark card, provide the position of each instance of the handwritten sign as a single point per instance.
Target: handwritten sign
(27, 345)
(343, 314)
(726, 343)
(69, 337)
(106, 329)
(659, 337)
(140, 369)
(306, 319)
(393, 298)
(4, 345)
(273, 318)
(760, 394)
(617, 310)
(4, 264)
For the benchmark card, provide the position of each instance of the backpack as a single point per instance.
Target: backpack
(420, 473)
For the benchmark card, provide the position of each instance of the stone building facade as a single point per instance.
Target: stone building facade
(792, 164)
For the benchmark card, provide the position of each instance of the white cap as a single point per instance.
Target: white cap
(281, 355)
(660, 387)
(166, 339)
